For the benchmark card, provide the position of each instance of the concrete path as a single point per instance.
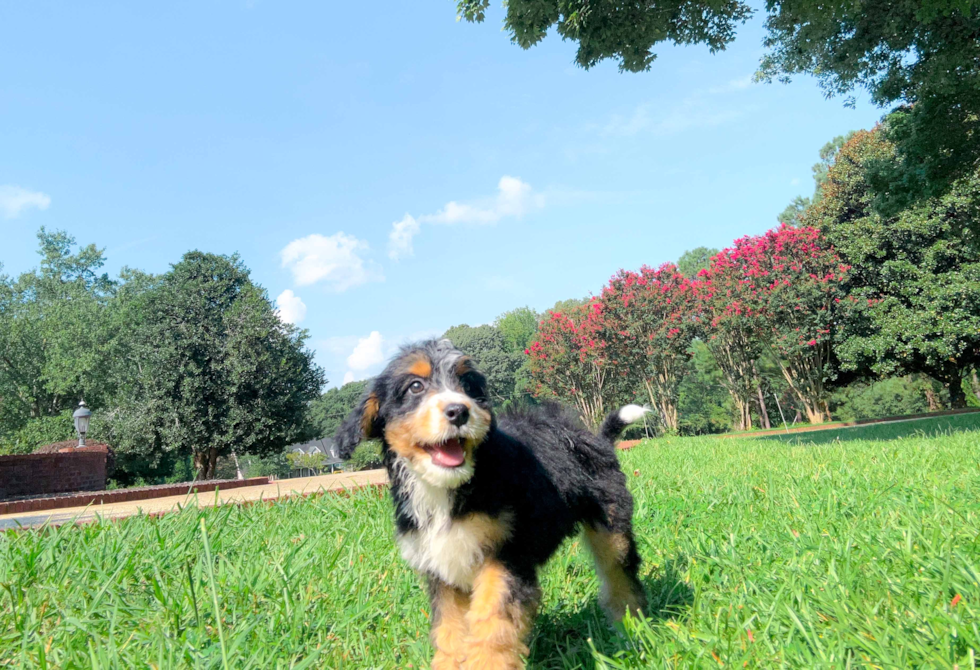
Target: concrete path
(279, 489)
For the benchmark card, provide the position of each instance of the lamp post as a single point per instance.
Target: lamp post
(82, 416)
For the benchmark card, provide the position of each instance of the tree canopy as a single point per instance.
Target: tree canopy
(914, 277)
(618, 29)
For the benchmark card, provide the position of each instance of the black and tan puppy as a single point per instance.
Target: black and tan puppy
(481, 503)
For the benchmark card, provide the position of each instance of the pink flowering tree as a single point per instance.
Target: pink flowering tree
(649, 321)
(797, 286)
(572, 361)
(731, 322)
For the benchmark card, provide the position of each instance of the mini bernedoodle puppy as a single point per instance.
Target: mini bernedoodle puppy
(481, 503)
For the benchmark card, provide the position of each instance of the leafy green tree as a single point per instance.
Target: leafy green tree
(915, 276)
(55, 334)
(625, 31)
(487, 346)
(329, 410)
(694, 260)
(703, 404)
(517, 327)
(218, 370)
(923, 55)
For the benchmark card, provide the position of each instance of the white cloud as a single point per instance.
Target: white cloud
(348, 378)
(400, 239)
(514, 198)
(369, 351)
(334, 260)
(290, 307)
(15, 199)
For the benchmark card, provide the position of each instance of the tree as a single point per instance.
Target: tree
(517, 327)
(329, 410)
(923, 56)
(649, 324)
(915, 277)
(730, 323)
(694, 260)
(219, 371)
(487, 346)
(55, 334)
(828, 153)
(571, 361)
(625, 31)
(797, 282)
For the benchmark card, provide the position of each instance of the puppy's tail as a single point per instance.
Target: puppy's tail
(617, 420)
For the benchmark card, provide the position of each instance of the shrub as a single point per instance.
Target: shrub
(366, 456)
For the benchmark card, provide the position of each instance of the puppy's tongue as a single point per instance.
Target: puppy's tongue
(449, 454)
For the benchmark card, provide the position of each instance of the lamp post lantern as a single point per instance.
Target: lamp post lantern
(82, 416)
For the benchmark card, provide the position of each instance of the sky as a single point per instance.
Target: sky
(385, 171)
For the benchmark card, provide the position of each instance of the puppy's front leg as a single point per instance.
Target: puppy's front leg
(502, 607)
(449, 606)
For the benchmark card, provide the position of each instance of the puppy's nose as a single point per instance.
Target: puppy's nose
(458, 414)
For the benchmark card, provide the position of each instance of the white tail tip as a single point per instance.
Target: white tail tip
(631, 413)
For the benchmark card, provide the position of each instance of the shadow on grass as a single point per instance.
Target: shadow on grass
(561, 639)
(884, 431)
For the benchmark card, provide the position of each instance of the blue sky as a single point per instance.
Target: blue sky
(385, 171)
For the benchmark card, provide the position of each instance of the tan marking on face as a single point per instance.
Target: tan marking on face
(464, 365)
(449, 627)
(619, 592)
(497, 624)
(370, 414)
(420, 368)
(402, 437)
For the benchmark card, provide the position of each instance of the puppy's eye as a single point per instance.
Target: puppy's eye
(416, 387)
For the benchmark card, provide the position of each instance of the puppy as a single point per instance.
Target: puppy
(481, 503)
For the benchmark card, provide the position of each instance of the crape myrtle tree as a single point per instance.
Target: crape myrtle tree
(570, 360)
(915, 275)
(797, 286)
(730, 321)
(648, 317)
(218, 371)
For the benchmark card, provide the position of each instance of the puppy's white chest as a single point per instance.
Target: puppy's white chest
(451, 550)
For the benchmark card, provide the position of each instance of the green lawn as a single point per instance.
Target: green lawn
(757, 554)
(934, 426)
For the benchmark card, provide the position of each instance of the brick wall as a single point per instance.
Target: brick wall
(36, 474)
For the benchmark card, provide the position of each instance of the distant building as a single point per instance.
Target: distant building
(325, 446)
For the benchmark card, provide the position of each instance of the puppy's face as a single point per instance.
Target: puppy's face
(431, 406)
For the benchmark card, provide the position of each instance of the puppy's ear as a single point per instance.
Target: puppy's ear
(362, 423)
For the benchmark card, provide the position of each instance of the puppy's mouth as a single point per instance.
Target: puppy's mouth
(448, 454)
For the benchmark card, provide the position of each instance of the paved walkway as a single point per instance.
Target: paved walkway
(279, 489)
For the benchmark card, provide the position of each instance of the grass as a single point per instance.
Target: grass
(757, 554)
(893, 430)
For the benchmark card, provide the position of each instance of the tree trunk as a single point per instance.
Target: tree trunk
(205, 463)
(957, 398)
(763, 410)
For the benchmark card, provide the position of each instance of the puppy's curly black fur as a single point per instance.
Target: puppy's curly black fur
(482, 502)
